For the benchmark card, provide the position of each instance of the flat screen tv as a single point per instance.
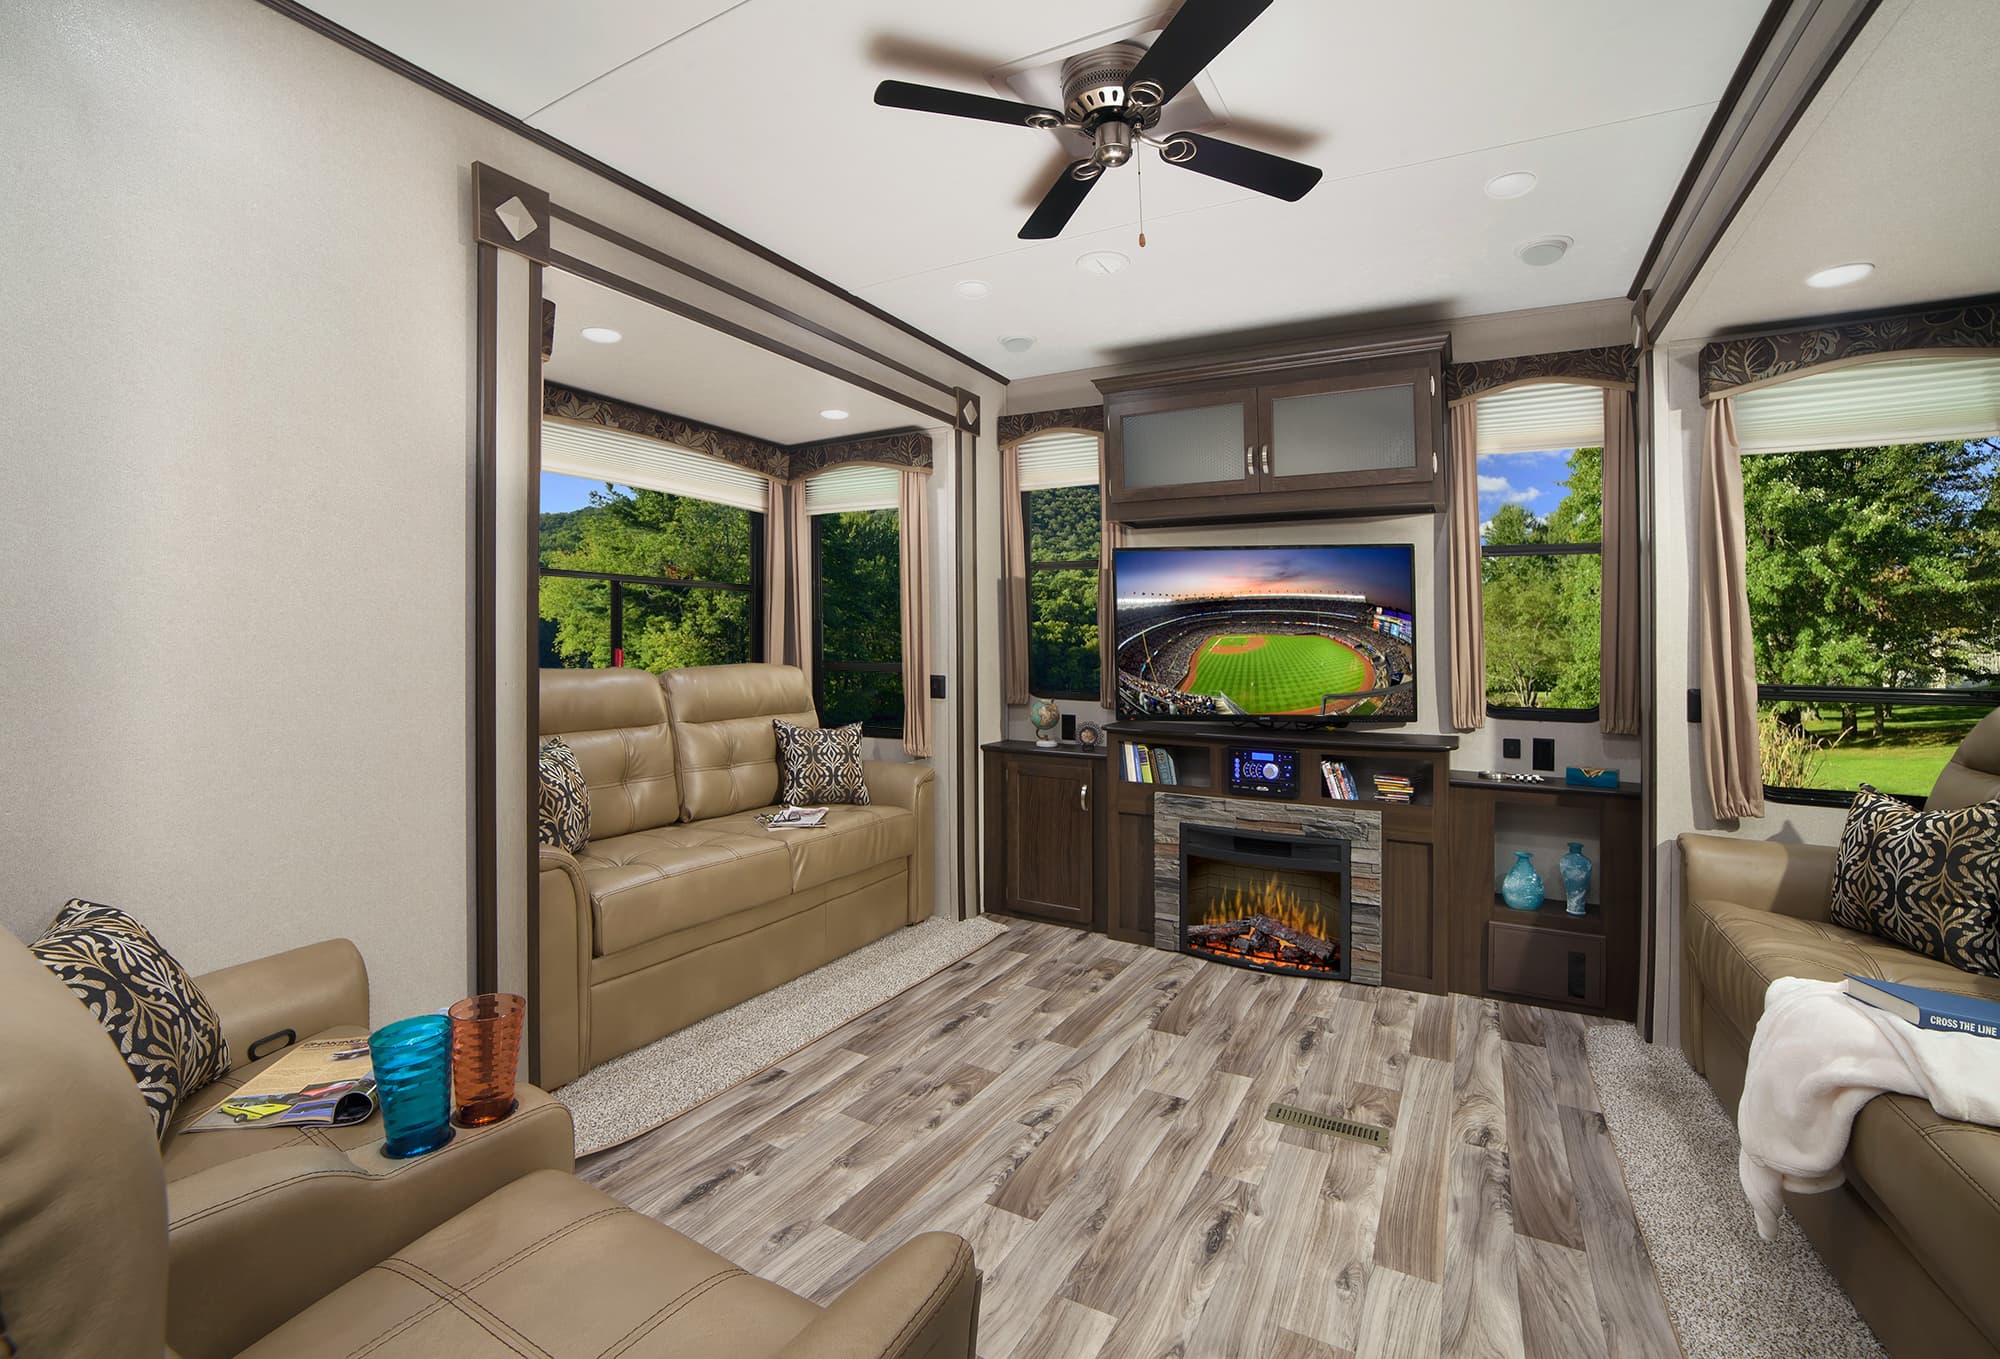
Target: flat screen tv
(1305, 635)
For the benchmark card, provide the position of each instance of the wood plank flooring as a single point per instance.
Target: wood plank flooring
(1090, 1115)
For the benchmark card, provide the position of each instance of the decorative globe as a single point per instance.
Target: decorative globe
(1046, 716)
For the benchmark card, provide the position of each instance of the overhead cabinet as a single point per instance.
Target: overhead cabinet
(1355, 430)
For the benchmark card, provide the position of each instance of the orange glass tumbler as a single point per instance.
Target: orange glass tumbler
(485, 1050)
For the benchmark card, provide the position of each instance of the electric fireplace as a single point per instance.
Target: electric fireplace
(1269, 901)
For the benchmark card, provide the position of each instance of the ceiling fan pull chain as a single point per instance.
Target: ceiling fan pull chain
(1139, 168)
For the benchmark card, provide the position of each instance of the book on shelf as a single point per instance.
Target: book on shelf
(1163, 767)
(322, 1082)
(1394, 787)
(1148, 764)
(1340, 784)
(1928, 1009)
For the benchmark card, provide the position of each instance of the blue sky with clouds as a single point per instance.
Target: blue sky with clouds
(1533, 480)
(568, 493)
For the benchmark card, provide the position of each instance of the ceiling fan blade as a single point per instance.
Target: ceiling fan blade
(1194, 37)
(1277, 176)
(901, 94)
(1059, 204)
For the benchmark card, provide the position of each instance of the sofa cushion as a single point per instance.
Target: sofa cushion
(653, 882)
(164, 1027)
(1929, 881)
(616, 722)
(562, 812)
(547, 1266)
(849, 841)
(724, 743)
(1738, 951)
(819, 764)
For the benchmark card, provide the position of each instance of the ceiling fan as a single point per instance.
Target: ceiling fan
(1114, 95)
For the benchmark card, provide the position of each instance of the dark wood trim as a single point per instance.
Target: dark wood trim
(965, 487)
(531, 688)
(381, 56)
(1431, 344)
(1649, 811)
(491, 190)
(618, 283)
(723, 285)
(1662, 305)
(485, 645)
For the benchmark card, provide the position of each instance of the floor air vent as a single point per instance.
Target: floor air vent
(1339, 1127)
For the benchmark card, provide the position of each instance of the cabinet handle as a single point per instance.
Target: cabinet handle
(1250, 461)
(1083, 796)
(1267, 460)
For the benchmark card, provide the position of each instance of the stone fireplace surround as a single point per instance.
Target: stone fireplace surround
(1361, 829)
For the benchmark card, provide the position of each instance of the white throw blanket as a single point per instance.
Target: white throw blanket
(1817, 1057)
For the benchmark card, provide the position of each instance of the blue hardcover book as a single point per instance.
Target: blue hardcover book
(1928, 1009)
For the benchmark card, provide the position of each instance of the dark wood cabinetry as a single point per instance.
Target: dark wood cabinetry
(1588, 962)
(1355, 429)
(1045, 838)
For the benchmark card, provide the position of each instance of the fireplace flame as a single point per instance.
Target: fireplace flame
(1278, 900)
(1273, 925)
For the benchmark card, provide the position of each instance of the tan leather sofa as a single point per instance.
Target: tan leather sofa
(682, 904)
(1914, 1234)
(102, 1256)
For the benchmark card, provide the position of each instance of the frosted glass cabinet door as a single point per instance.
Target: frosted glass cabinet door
(1187, 444)
(1363, 429)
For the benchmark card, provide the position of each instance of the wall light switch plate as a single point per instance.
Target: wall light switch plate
(1510, 747)
(937, 686)
(1545, 752)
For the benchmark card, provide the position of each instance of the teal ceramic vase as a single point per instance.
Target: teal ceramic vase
(1522, 887)
(1575, 867)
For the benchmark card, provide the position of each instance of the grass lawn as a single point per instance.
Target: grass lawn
(1286, 674)
(1915, 744)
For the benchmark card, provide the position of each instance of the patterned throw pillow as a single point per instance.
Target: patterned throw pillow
(562, 817)
(163, 1025)
(819, 764)
(1929, 881)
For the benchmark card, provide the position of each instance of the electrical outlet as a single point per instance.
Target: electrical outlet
(1510, 747)
(1545, 752)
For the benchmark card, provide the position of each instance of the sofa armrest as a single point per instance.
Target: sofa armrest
(902, 784)
(254, 1241)
(922, 1302)
(1765, 875)
(559, 1046)
(306, 990)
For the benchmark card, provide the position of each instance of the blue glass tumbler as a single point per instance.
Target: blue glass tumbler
(413, 1082)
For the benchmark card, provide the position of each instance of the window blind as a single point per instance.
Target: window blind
(1060, 458)
(852, 488)
(634, 460)
(1541, 416)
(1893, 401)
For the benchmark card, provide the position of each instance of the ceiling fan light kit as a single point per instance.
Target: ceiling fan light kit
(1114, 96)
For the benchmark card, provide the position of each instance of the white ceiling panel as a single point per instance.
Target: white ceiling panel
(672, 364)
(1893, 164)
(520, 55)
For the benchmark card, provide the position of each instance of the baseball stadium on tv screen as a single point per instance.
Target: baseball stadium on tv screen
(1298, 633)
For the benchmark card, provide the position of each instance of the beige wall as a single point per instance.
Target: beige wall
(239, 363)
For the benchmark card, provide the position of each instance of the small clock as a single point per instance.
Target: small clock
(1088, 735)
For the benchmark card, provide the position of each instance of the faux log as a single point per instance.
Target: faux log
(1260, 929)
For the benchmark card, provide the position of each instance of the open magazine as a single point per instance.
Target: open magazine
(789, 817)
(322, 1082)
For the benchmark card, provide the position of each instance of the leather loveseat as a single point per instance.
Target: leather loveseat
(287, 1248)
(1914, 1234)
(683, 904)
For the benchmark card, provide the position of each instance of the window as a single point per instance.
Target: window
(1062, 518)
(857, 603)
(1541, 525)
(1874, 583)
(651, 555)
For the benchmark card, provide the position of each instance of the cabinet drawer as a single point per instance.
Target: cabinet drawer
(1554, 965)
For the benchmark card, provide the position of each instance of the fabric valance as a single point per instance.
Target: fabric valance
(1017, 427)
(1732, 365)
(1611, 366)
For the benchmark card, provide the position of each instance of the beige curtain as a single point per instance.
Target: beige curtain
(777, 575)
(913, 522)
(1468, 627)
(1013, 580)
(1728, 656)
(1618, 708)
(795, 627)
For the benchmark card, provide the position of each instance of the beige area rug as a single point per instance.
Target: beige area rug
(638, 1092)
(1730, 1294)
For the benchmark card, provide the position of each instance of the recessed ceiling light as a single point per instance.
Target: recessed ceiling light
(1510, 185)
(600, 335)
(833, 413)
(1545, 251)
(1840, 275)
(972, 287)
(1017, 344)
(1102, 262)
